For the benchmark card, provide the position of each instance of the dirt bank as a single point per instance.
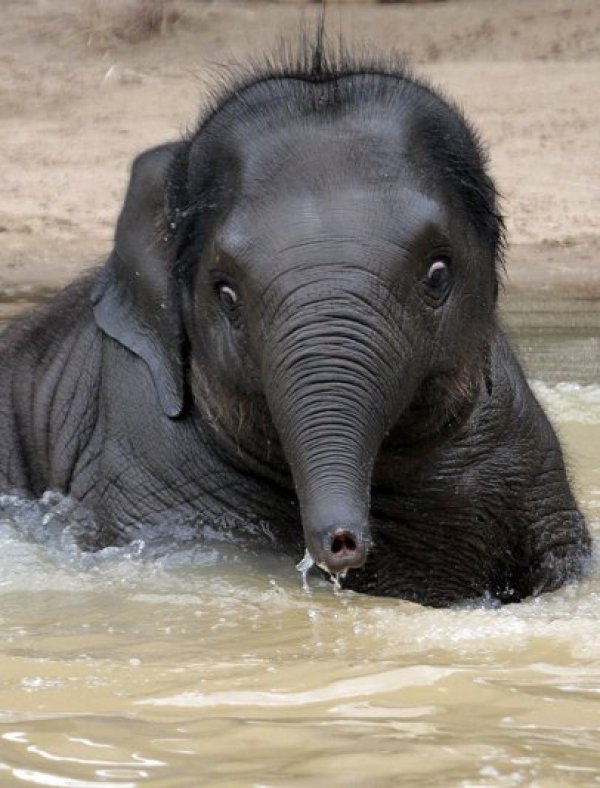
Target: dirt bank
(77, 103)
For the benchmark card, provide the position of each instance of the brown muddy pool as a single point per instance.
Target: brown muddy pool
(204, 665)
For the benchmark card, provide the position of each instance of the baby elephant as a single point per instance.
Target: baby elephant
(295, 339)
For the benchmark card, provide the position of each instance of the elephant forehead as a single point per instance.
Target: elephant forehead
(351, 224)
(324, 148)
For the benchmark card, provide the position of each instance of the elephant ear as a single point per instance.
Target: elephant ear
(136, 300)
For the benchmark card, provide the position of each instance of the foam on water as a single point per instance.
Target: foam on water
(570, 402)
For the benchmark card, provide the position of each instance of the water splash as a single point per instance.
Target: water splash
(306, 564)
(304, 567)
(336, 578)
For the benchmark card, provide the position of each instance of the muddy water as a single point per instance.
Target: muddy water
(204, 665)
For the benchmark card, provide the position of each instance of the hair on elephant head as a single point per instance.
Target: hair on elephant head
(321, 254)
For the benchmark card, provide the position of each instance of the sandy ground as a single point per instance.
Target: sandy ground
(77, 103)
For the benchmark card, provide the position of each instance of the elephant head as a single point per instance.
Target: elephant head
(314, 270)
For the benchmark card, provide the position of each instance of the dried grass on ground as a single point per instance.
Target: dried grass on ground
(103, 22)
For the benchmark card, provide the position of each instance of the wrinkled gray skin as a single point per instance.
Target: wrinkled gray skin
(295, 335)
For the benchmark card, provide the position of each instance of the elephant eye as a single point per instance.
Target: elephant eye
(438, 274)
(228, 295)
(436, 283)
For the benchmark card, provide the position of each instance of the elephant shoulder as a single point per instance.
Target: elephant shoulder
(50, 365)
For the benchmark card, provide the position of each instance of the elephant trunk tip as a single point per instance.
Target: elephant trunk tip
(341, 548)
(337, 532)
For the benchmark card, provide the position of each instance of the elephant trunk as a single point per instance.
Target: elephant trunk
(333, 387)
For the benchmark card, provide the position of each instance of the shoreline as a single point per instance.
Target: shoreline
(77, 104)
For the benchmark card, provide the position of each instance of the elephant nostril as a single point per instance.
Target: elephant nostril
(343, 549)
(343, 543)
(339, 547)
